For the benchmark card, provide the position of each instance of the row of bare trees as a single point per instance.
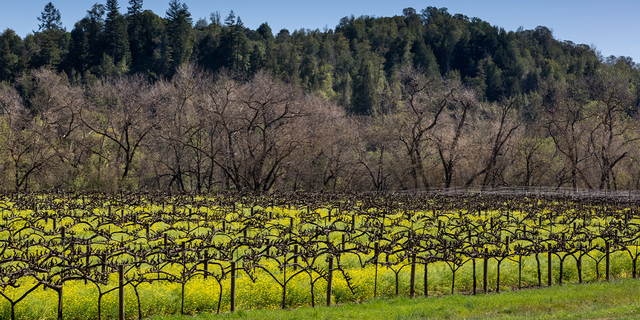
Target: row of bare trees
(202, 132)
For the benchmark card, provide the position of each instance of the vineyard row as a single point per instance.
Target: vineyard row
(51, 239)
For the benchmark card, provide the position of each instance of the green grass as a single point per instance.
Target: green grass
(613, 300)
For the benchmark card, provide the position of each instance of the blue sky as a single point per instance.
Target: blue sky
(612, 26)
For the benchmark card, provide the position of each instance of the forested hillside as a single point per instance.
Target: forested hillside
(350, 64)
(423, 99)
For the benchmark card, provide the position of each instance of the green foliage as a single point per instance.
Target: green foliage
(364, 91)
(134, 28)
(179, 33)
(595, 301)
(10, 53)
(116, 36)
(50, 19)
(495, 62)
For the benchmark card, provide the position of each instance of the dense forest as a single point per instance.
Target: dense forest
(424, 99)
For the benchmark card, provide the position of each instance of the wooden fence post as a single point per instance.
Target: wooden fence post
(121, 292)
(63, 273)
(549, 269)
(375, 280)
(484, 272)
(329, 280)
(412, 284)
(233, 287)
(426, 279)
(206, 263)
(519, 271)
(608, 269)
(475, 280)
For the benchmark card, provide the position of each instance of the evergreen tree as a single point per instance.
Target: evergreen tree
(364, 96)
(208, 43)
(50, 39)
(443, 33)
(486, 57)
(265, 32)
(49, 53)
(79, 48)
(270, 58)
(116, 38)
(308, 71)
(256, 59)
(10, 49)
(242, 48)
(135, 17)
(6, 60)
(214, 17)
(153, 59)
(50, 19)
(289, 61)
(423, 57)
(494, 83)
(324, 82)
(234, 45)
(94, 27)
(179, 33)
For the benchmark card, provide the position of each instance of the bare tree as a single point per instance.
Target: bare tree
(450, 130)
(255, 129)
(500, 123)
(611, 127)
(124, 112)
(375, 147)
(214, 105)
(54, 104)
(325, 161)
(567, 126)
(178, 126)
(24, 151)
(39, 132)
(533, 159)
(267, 114)
(423, 100)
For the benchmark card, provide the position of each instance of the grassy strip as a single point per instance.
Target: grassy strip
(613, 300)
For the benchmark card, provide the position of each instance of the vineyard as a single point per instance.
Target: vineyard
(119, 255)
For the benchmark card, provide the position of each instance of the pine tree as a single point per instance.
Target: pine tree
(94, 26)
(153, 59)
(116, 38)
(423, 57)
(364, 98)
(79, 48)
(179, 33)
(10, 47)
(257, 59)
(49, 38)
(270, 58)
(135, 17)
(50, 19)
(265, 31)
(49, 55)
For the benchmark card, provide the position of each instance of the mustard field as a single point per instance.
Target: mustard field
(105, 256)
